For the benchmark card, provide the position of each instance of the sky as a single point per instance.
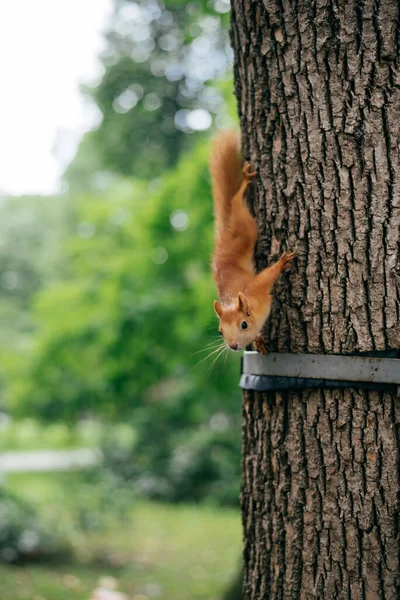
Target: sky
(47, 48)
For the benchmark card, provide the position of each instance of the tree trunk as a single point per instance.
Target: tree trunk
(317, 85)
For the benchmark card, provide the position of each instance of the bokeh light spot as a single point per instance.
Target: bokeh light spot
(152, 101)
(86, 230)
(159, 255)
(9, 280)
(179, 220)
(199, 119)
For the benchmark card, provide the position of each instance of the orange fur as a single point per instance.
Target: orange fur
(225, 172)
(244, 295)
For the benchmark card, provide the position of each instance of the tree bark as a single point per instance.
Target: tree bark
(317, 85)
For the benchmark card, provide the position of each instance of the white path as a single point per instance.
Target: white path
(49, 460)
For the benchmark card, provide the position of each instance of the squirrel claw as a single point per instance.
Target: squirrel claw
(247, 174)
(260, 344)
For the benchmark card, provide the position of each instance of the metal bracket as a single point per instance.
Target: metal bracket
(290, 371)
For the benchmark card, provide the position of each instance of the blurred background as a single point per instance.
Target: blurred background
(120, 439)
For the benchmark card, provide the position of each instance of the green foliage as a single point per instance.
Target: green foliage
(113, 306)
(31, 229)
(155, 95)
(94, 511)
(23, 536)
(117, 335)
(207, 466)
(203, 464)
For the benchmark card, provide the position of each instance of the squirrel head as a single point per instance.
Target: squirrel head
(237, 324)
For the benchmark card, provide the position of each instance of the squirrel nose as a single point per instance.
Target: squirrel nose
(234, 346)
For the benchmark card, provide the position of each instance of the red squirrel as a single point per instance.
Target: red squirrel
(245, 296)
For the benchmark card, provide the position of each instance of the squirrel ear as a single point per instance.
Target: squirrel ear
(244, 305)
(218, 308)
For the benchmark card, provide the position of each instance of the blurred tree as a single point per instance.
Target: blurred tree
(31, 230)
(156, 88)
(115, 338)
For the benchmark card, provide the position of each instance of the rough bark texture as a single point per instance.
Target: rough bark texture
(318, 85)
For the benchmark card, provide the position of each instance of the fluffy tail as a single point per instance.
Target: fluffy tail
(226, 173)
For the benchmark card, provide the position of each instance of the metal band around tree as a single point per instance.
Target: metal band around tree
(279, 371)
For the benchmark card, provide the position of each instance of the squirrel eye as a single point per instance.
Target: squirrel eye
(244, 325)
(220, 332)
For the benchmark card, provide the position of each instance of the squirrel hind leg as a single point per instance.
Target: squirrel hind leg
(247, 177)
(247, 173)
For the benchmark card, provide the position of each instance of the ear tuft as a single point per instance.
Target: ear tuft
(244, 305)
(218, 308)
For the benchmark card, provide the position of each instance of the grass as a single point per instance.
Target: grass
(172, 552)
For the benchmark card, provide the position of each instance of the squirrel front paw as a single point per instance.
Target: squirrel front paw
(260, 344)
(285, 259)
